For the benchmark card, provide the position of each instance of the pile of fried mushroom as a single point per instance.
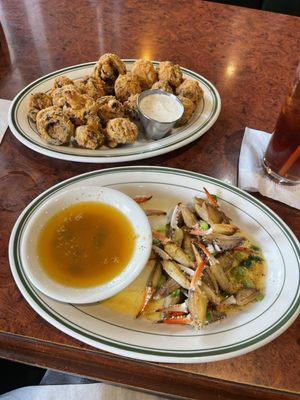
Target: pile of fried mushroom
(101, 109)
(203, 266)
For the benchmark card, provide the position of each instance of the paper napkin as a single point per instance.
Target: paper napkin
(4, 106)
(252, 177)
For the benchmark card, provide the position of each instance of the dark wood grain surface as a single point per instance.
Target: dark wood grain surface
(250, 56)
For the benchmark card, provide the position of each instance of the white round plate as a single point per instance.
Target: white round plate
(121, 334)
(24, 130)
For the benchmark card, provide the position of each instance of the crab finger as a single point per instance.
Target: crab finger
(181, 320)
(142, 199)
(210, 198)
(151, 213)
(151, 286)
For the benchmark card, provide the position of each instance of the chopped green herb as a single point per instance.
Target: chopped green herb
(248, 283)
(255, 248)
(160, 228)
(239, 272)
(250, 260)
(259, 297)
(162, 280)
(203, 225)
(175, 293)
(209, 316)
(214, 197)
(156, 242)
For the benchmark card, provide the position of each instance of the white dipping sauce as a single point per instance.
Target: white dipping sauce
(160, 107)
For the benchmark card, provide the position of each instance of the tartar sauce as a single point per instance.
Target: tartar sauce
(160, 107)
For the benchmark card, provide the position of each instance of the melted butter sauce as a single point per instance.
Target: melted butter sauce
(86, 244)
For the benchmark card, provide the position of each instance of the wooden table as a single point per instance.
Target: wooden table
(250, 56)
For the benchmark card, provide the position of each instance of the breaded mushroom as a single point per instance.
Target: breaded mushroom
(167, 71)
(54, 126)
(91, 86)
(127, 85)
(189, 108)
(145, 73)
(162, 85)
(107, 69)
(37, 102)
(60, 82)
(61, 96)
(190, 89)
(81, 109)
(108, 108)
(120, 131)
(130, 107)
(90, 136)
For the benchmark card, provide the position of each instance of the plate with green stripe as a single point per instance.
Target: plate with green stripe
(114, 329)
(25, 131)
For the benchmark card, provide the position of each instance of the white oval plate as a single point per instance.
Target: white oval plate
(24, 130)
(240, 333)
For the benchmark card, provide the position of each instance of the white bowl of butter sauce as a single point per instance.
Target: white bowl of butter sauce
(159, 112)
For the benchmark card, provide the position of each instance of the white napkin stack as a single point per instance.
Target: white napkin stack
(4, 106)
(252, 177)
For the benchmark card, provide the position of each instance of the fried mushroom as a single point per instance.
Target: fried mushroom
(189, 108)
(37, 102)
(130, 107)
(54, 126)
(107, 69)
(127, 85)
(162, 85)
(120, 131)
(80, 108)
(64, 95)
(167, 71)
(145, 73)
(190, 89)
(91, 86)
(60, 82)
(108, 108)
(90, 136)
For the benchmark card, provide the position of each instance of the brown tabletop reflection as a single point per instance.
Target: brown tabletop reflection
(250, 56)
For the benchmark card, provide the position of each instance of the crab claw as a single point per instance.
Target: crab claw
(142, 199)
(210, 198)
(180, 320)
(151, 213)
(199, 269)
(151, 286)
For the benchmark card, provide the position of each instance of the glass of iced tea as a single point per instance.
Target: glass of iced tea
(282, 157)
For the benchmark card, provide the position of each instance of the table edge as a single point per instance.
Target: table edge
(107, 367)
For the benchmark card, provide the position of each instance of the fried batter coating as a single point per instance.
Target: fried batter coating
(130, 107)
(80, 108)
(107, 69)
(145, 72)
(108, 108)
(190, 89)
(61, 96)
(189, 107)
(90, 136)
(37, 102)
(54, 126)
(91, 86)
(61, 81)
(167, 71)
(162, 85)
(121, 131)
(127, 85)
